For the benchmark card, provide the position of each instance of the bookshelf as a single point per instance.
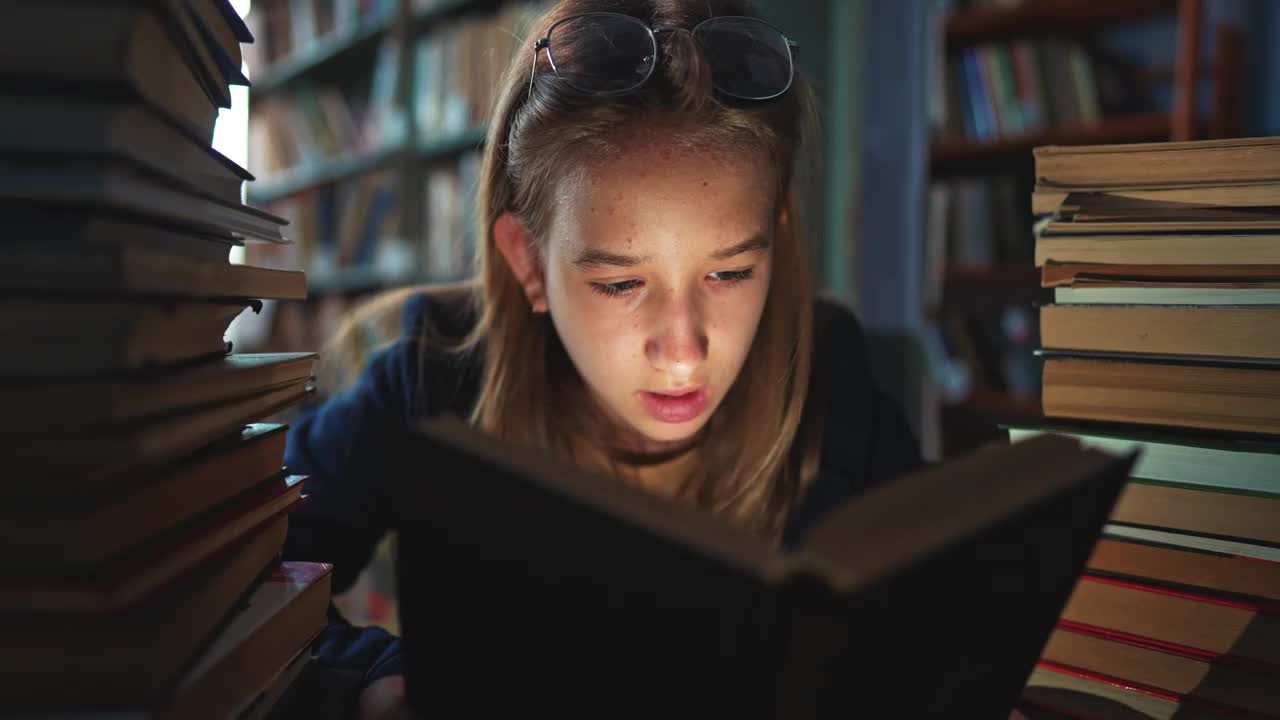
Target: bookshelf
(1012, 77)
(365, 134)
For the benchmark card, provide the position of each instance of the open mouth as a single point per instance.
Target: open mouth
(675, 408)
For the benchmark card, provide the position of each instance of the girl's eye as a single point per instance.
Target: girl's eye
(615, 289)
(731, 277)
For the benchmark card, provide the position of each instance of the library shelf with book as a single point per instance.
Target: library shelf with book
(365, 132)
(1010, 77)
(366, 123)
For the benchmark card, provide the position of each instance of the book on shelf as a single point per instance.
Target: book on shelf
(147, 500)
(820, 628)
(1159, 340)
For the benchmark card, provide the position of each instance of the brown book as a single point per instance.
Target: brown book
(1207, 626)
(33, 408)
(119, 185)
(1058, 692)
(1235, 514)
(1209, 397)
(57, 337)
(1158, 225)
(63, 460)
(1186, 568)
(266, 704)
(73, 231)
(41, 531)
(1224, 547)
(124, 269)
(213, 19)
(1045, 201)
(100, 44)
(133, 580)
(1090, 208)
(1058, 274)
(38, 124)
(1225, 331)
(1206, 162)
(1181, 247)
(286, 611)
(114, 657)
(1183, 674)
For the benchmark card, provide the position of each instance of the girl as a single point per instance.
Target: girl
(643, 302)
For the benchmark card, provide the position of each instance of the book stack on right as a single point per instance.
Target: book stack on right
(1164, 335)
(144, 502)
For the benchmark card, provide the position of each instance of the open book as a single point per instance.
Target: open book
(527, 584)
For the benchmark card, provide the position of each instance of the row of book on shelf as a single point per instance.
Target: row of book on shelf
(146, 501)
(1164, 335)
(988, 90)
(313, 123)
(288, 28)
(457, 68)
(356, 223)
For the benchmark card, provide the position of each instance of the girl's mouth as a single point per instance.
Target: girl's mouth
(675, 408)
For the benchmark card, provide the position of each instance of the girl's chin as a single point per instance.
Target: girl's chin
(660, 436)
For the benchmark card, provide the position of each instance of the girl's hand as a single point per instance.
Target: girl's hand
(384, 699)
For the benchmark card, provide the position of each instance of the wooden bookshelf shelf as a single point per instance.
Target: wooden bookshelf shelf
(364, 278)
(1046, 17)
(951, 157)
(306, 177)
(331, 50)
(444, 148)
(439, 10)
(301, 179)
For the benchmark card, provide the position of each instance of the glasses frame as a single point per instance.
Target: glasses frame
(544, 42)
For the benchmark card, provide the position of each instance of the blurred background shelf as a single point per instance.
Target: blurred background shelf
(445, 147)
(951, 157)
(344, 46)
(1047, 17)
(307, 177)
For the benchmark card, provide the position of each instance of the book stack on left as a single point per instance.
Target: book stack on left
(1165, 337)
(144, 503)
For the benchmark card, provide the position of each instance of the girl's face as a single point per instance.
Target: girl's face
(656, 270)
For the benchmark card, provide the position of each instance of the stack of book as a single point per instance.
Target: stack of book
(145, 500)
(1165, 336)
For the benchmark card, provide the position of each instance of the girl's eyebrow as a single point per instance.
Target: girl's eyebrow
(755, 243)
(594, 258)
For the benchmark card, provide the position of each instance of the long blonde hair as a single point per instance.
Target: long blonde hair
(759, 451)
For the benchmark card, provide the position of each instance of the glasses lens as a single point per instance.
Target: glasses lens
(602, 52)
(749, 59)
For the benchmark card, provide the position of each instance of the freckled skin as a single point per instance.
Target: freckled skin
(682, 323)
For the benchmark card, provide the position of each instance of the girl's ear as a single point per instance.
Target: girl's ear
(517, 247)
